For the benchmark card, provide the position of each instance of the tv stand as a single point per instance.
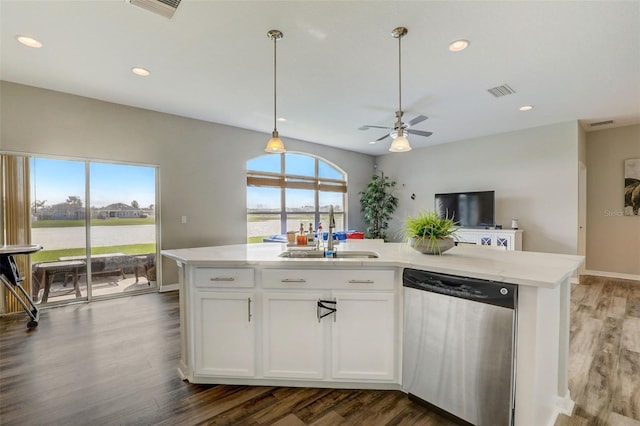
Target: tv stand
(510, 239)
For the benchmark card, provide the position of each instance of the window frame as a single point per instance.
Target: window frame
(284, 181)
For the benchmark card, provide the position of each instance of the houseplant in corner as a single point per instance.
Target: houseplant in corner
(429, 233)
(378, 203)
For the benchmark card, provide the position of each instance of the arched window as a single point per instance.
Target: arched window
(285, 190)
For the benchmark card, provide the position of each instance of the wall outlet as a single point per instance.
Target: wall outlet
(183, 219)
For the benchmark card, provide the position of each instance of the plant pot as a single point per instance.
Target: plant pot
(426, 246)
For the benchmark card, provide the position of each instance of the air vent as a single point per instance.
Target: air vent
(503, 90)
(164, 8)
(601, 123)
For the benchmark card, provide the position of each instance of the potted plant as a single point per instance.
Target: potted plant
(429, 233)
(378, 203)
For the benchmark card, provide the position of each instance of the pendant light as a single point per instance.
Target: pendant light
(275, 144)
(400, 142)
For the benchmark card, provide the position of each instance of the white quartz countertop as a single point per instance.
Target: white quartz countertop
(545, 270)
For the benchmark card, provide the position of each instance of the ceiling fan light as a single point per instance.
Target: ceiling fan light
(275, 145)
(400, 144)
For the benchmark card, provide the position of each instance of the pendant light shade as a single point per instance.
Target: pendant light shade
(400, 143)
(274, 145)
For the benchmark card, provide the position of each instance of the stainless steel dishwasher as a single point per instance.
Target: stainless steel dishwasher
(459, 346)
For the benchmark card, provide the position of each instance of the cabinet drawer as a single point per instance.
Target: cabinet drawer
(329, 279)
(224, 277)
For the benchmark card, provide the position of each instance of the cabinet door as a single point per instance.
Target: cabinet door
(504, 241)
(293, 337)
(224, 334)
(363, 336)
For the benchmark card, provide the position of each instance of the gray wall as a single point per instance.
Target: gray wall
(534, 173)
(613, 240)
(202, 164)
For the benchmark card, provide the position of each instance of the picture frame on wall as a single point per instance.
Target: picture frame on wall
(632, 187)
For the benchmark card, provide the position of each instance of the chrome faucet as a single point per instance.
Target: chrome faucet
(332, 226)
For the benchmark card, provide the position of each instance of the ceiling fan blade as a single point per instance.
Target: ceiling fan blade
(384, 137)
(416, 120)
(367, 127)
(418, 132)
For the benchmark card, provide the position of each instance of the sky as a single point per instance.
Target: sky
(56, 180)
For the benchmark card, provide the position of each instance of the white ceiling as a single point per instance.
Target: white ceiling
(338, 63)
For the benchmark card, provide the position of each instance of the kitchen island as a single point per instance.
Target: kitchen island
(251, 317)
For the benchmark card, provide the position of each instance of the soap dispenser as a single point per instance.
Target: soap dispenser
(310, 235)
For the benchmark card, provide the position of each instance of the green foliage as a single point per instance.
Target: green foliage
(378, 204)
(427, 225)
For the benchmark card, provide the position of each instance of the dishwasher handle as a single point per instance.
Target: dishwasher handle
(475, 289)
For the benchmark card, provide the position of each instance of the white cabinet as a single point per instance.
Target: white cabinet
(507, 239)
(363, 336)
(285, 326)
(304, 339)
(224, 334)
(223, 322)
(293, 338)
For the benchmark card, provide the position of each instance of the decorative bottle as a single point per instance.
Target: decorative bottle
(301, 238)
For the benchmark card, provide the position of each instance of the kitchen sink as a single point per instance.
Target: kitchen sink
(356, 254)
(345, 254)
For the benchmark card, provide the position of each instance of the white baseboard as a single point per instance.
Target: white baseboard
(169, 287)
(612, 275)
(565, 404)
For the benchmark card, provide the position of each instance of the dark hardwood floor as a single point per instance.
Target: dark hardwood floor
(114, 363)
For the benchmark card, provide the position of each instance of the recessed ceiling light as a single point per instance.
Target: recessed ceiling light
(458, 45)
(526, 108)
(28, 41)
(281, 120)
(372, 142)
(140, 71)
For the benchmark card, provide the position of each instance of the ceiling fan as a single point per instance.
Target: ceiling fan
(397, 132)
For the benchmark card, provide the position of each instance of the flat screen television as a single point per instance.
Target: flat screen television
(468, 209)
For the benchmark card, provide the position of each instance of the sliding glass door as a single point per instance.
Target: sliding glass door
(123, 228)
(97, 224)
(58, 224)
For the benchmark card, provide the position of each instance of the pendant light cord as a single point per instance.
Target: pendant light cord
(275, 41)
(400, 73)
